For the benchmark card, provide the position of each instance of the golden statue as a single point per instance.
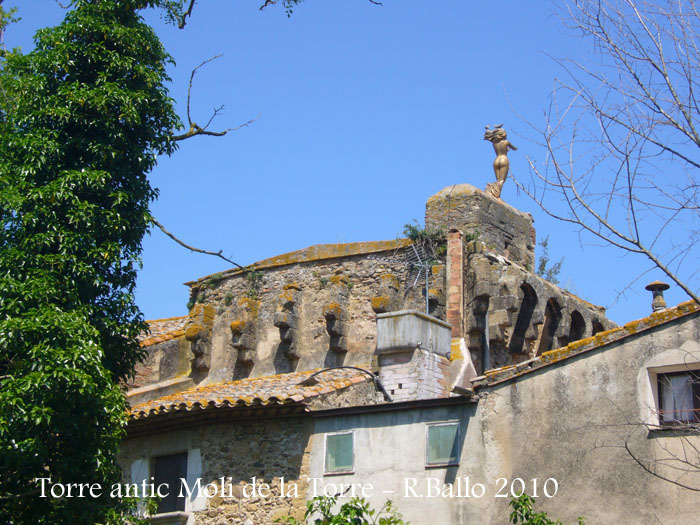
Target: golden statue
(497, 136)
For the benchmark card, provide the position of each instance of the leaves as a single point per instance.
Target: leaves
(82, 119)
(356, 512)
(523, 513)
(547, 271)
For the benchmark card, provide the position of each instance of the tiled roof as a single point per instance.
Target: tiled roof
(498, 375)
(318, 252)
(281, 389)
(163, 330)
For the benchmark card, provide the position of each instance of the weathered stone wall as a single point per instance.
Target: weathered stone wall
(304, 315)
(317, 307)
(239, 450)
(505, 230)
(507, 313)
(523, 314)
(165, 360)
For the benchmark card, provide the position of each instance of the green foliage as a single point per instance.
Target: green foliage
(471, 236)
(214, 281)
(356, 511)
(524, 515)
(289, 6)
(544, 269)
(434, 241)
(82, 119)
(417, 233)
(228, 298)
(254, 278)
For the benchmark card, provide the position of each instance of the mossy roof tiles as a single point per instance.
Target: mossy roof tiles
(161, 330)
(281, 389)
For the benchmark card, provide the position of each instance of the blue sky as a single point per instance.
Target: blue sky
(365, 112)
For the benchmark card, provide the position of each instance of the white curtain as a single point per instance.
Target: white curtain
(677, 398)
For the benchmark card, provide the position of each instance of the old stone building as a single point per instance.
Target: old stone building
(410, 366)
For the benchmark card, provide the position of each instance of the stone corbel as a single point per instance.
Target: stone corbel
(285, 319)
(198, 330)
(337, 327)
(244, 329)
(335, 314)
(388, 298)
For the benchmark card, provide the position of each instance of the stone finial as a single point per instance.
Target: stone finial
(657, 289)
(497, 136)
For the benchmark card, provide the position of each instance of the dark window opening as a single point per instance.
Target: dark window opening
(552, 316)
(524, 320)
(597, 327)
(577, 328)
(170, 469)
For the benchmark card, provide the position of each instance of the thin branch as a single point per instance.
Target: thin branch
(194, 128)
(183, 19)
(653, 471)
(197, 130)
(192, 248)
(32, 492)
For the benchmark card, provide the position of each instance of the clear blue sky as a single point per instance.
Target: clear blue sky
(365, 112)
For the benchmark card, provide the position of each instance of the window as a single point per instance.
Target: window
(340, 455)
(442, 444)
(170, 469)
(679, 398)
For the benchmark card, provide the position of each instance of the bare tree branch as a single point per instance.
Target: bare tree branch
(188, 12)
(194, 128)
(620, 138)
(192, 248)
(287, 3)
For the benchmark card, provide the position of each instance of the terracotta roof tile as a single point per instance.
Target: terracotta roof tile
(279, 389)
(162, 330)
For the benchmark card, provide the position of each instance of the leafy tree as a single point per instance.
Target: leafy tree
(82, 119)
(523, 513)
(548, 271)
(356, 511)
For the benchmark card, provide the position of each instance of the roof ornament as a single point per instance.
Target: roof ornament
(497, 136)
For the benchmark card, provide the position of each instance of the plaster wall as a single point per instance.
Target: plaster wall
(572, 421)
(390, 463)
(567, 423)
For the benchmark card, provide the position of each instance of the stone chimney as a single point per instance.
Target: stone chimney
(505, 230)
(413, 352)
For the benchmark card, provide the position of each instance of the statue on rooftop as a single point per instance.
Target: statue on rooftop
(497, 136)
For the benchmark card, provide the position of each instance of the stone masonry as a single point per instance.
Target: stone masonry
(318, 307)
